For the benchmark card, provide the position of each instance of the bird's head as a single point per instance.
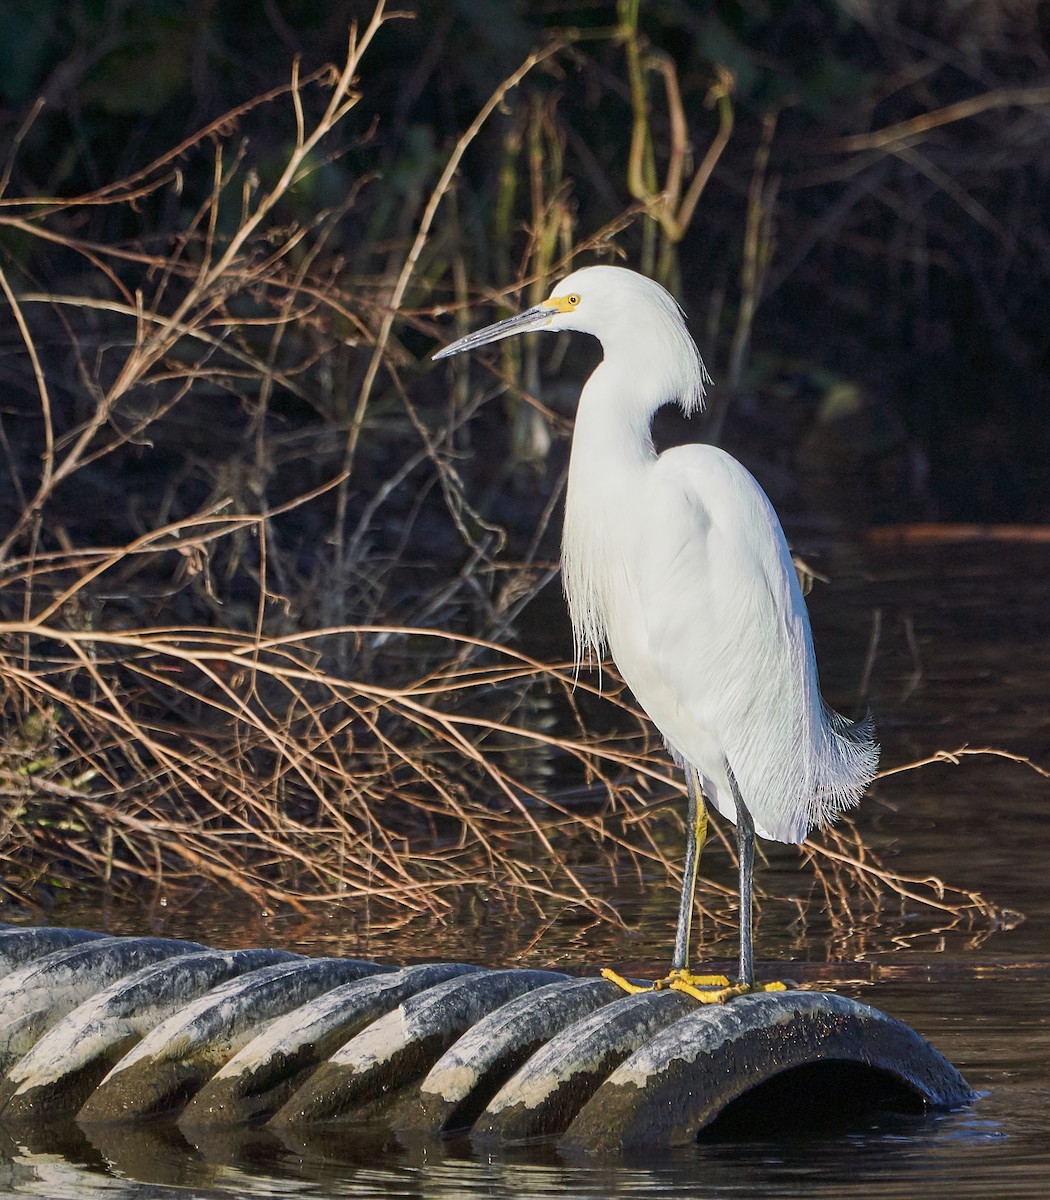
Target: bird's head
(632, 316)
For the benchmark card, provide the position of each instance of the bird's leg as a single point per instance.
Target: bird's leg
(695, 837)
(702, 987)
(745, 849)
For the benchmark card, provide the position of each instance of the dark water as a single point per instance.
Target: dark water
(959, 660)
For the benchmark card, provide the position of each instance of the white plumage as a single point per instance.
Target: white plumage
(679, 565)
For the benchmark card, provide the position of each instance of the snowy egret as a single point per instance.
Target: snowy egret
(678, 564)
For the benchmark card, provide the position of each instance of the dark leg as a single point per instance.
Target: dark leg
(696, 835)
(745, 847)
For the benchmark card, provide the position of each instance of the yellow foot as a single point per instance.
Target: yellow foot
(707, 989)
(707, 994)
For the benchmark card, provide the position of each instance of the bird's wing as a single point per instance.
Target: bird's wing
(728, 631)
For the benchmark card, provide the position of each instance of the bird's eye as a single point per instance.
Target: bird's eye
(572, 300)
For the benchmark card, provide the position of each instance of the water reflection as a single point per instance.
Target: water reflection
(938, 1156)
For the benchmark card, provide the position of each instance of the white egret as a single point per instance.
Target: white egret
(678, 564)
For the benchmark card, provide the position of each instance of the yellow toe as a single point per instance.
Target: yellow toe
(625, 984)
